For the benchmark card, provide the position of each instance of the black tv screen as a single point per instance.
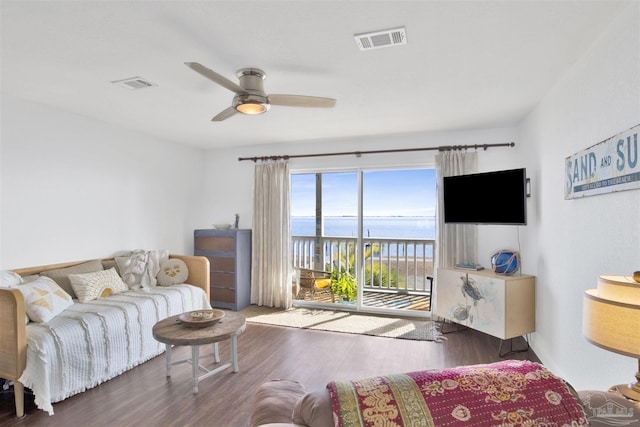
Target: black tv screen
(497, 197)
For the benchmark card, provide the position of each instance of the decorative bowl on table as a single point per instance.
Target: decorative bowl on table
(201, 318)
(221, 226)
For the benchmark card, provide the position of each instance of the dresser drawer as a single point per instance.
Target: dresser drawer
(223, 264)
(224, 280)
(223, 295)
(215, 244)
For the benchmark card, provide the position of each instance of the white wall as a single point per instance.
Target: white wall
(572, 242)
(74, 188)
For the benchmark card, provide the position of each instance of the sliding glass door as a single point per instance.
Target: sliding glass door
(398, 219)
(371, 232)
(324, 227)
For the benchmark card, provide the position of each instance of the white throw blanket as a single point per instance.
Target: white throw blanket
(140, 268)
(93, 342)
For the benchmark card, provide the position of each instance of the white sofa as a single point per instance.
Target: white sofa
(89, 342)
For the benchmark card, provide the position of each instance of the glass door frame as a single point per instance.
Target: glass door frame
(359, 252)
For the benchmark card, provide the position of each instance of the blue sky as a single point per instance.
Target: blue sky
(410, 192)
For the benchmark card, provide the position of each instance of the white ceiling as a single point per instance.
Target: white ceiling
(466, 64)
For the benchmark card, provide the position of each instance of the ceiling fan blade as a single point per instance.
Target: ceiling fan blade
(224, 114)
(217, 78)
(302, 101)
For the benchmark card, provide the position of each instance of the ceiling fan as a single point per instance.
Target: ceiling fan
(250, 95)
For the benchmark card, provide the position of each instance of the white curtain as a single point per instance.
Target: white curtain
(456, 242)
(271, 239)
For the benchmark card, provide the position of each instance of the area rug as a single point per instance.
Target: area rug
(347, 322)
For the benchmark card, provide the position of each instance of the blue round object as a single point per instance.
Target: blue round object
(505, 262)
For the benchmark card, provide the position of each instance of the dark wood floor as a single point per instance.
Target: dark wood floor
(144, 397)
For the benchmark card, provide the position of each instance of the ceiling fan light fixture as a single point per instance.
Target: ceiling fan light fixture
(251, 104)
(250, 96)
(252, 108)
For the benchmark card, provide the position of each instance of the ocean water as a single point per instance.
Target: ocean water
(405, 227)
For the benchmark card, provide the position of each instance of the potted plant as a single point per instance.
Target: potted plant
(344, 286)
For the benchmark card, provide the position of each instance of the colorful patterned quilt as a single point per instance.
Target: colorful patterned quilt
(504, 394)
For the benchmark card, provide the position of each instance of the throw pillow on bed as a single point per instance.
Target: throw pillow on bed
(61, 275)
(99, 284)
(173, 271)
(44, 299)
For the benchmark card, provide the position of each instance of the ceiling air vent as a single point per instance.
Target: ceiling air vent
(378, 39)
(134, 83)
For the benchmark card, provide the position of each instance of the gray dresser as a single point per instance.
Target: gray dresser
(229, 252)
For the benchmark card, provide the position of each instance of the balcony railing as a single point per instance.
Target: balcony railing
(398, 265)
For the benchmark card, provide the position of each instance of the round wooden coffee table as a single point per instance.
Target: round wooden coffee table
(171, 331)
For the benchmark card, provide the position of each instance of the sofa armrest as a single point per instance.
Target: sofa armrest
(199, 271)
(274, 401)
(13, 341)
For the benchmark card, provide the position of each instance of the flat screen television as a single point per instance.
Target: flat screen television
(498, 197)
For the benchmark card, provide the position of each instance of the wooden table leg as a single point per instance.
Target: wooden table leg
(195, 362)
(216, 353)
(167, 356)
(234, 353)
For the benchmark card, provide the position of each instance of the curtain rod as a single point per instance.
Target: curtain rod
(399, 150)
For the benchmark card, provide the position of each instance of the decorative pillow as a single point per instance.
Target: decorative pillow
(9, 279)
(61, 275)
(139, 270)
(173, 271)
(99, 284)
(44, 299)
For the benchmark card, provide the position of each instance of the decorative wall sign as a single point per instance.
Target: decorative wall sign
(611, 165)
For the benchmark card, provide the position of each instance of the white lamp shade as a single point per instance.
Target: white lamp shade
(619, 288)
(611, 315)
